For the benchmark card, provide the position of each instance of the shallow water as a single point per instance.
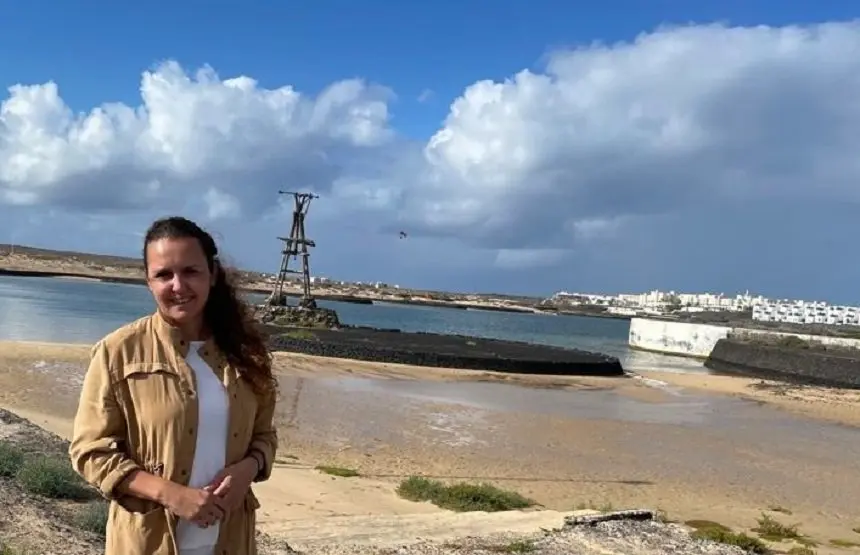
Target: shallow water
(77, 311)
(497, 397)
(721, 444)
(573, 438)
(723, 413)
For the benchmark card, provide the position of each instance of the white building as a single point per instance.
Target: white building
(661, 300)
(803, 312)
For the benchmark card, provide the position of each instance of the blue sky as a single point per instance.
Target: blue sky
(95, 50)
(517, 148)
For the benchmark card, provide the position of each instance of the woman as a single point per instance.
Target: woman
(175, 419)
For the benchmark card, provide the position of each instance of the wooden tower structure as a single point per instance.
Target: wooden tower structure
(295, 246)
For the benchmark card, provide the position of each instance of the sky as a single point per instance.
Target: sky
(523, 147)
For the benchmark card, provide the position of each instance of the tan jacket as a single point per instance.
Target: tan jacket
(138, 410)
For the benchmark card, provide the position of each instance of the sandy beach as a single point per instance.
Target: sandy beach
(695, 446)
(840, 406)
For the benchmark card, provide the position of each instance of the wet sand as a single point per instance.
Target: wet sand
(823, 403)
(698, 447)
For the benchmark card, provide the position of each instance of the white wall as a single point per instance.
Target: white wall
(697, 340)
(676, 338)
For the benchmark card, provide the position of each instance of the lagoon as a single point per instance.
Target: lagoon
(65, 310)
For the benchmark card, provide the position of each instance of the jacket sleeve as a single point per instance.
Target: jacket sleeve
(264, 441)
(97, 449)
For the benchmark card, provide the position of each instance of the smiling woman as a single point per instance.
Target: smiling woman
(175, 416)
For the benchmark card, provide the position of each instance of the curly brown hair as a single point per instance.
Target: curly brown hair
(226, 315)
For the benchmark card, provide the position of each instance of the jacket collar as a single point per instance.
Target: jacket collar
(171, 333)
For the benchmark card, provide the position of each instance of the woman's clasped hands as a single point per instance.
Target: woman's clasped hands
(226, 492)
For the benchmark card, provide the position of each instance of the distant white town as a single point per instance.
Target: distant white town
(662, 302)
(763, 309)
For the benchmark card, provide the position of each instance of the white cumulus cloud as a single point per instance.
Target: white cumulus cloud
(603, 148)
(679, 117)
(229, 140)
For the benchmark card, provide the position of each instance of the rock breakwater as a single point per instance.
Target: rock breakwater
(791, 361)
(443, 351)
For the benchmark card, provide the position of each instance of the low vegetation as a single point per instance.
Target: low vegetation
(768, 529)
(43, 475)
(488, 546)
(301, 334)
(52, 477)
(716, 532)
(7, 550)
(518, 546)
(772, 530)
(93, 518)
(338, 471)
(11, 461)
(462, 497)
(845, 544)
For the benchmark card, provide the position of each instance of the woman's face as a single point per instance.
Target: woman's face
(179, 278)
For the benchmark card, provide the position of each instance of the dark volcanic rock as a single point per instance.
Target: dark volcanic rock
(444, 351)
(792, 364)
(297, 317)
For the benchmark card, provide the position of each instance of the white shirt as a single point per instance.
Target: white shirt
(210, 452)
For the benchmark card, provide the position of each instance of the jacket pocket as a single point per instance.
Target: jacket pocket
(251, 501)
(137, 533)
(251, 506)
(154, 400)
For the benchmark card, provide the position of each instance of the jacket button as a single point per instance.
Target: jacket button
(184, 472)
(191, 431)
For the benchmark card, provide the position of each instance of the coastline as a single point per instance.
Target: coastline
(342, 412)
(828, 404)
(58, 267)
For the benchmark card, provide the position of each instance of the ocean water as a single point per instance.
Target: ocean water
(82, 311)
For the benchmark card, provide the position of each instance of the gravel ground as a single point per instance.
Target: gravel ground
(620, 537)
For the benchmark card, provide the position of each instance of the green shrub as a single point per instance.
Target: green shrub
(93, 518)
(716, 532)
(53, 478)
(771, 529)
(11, 460)
(462, 497)
(338, 471)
